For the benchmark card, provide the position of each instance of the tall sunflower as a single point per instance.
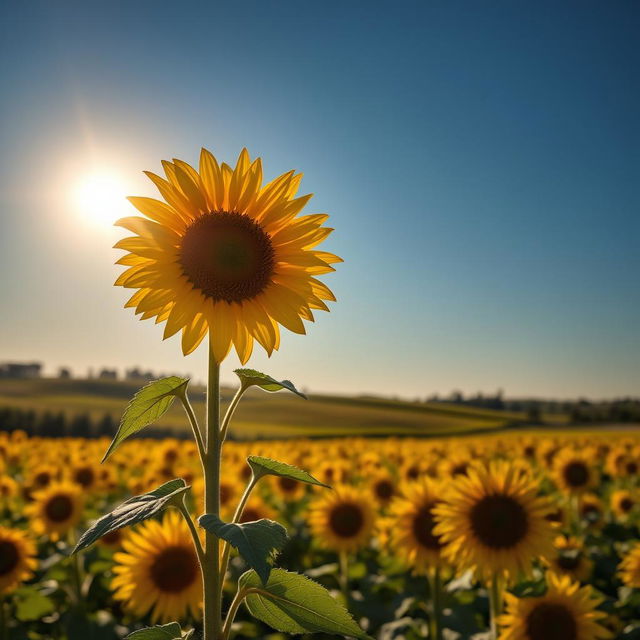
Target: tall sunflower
(17, 558)
(492, 521)
(574, 470)
(158, 570)
(222, 251)
(566, 612)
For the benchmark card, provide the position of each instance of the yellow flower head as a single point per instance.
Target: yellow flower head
(493, 521)
(225, 254)
(56, 509)
(630, 567)
(566, 612)
(342, 519)
(158, 569)
(17, 558)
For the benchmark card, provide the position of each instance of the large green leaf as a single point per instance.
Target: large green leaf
(253, 378)
(149, 404)
(293, 603)
(257, 542)
(31, 604)
(265, 467)
(171, 631)
(134, 510)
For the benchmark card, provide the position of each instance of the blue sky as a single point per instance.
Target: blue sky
(479, 161)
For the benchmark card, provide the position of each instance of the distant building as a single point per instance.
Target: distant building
(64, 373)
(20, 370)
(108, 374)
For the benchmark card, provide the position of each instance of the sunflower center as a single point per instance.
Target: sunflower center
(346, 520)
(423, 524)
(384, 489)
(9, 557)
(84, 476)
(250, 514)
(287, 484)
(576, 474)
(42, 479)
(227, 256)
(174, 569)
(59, 508)
(499, 521)
(549, 621)
(626, 504)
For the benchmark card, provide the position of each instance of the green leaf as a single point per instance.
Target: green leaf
(32, 605)
(257, 542)
(253, 378)
(149, 404)
(267, 467)
(171, 631)
(293, 603)
(135, 510)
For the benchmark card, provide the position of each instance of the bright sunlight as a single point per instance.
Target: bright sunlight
(100, 197)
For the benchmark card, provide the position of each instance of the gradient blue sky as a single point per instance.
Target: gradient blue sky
(479, 161)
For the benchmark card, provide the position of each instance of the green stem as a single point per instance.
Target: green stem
(211, 569)
(231, 614)
(74, 560)
(194, 533)
(226, 549)
(495, 603)
(435, 585)
(230, 411)
(193, 421)
(344, 576)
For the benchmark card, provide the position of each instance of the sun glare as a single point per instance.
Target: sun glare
(101, 197)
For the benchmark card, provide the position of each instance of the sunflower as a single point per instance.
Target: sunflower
(623, 503)
(225, 252)
(17, 558)
(383, 487)
(56, 509)
(409, 530)
(257, 509)
(492, 521)
(566, 612)
(574, 471)
(630, 567)
(591, 510)
(158, 569)
(570, 559)
(342, 520)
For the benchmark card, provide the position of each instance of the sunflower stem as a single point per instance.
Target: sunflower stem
(435, 586)
(344, 576)
(495, 603)
(211, 569)
(226, 548)
(194, 533)
(231, 614)
(195, 427)
(230, 411)
(76, 571)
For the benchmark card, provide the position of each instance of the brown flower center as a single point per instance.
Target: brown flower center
(626, 504)
(42, 479)
(227, 256)
(174, 569)
(84, 476)
(499, 521)
(423, 524)
(569, 561)
(576, 474)
(346, 520)
(9, 557)
(549, 621)
(250, 514)
(287, 485)
(384, 489)
(59, 508)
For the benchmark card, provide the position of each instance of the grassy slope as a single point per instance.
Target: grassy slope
(265, 415)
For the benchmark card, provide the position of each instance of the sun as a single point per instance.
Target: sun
(100, 197)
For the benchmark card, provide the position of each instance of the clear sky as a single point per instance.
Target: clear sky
(480, 162)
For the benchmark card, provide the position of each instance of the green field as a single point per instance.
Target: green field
(267, 415)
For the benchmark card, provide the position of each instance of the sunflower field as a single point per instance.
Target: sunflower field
(523, 536)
